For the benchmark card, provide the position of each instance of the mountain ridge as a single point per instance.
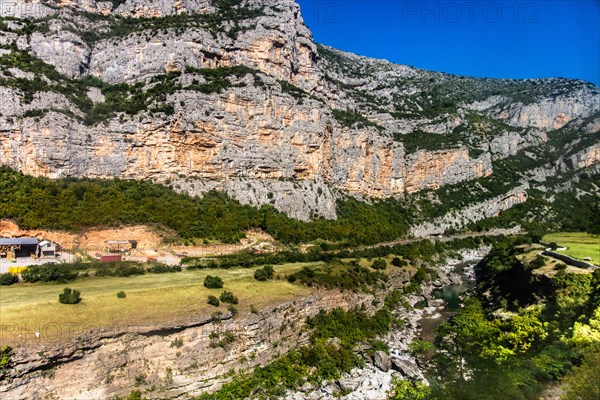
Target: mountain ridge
(236, 96)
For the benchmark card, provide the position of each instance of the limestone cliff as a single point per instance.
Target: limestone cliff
(235, 95)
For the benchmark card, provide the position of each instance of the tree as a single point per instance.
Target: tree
(582, 382)
(397, 262)
(420, 347)
(264, 273)
(213, 282)
(587, 336)
(409, 390)
(379, 264)
(69, 296)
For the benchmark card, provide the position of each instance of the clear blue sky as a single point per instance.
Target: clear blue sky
(503, 39)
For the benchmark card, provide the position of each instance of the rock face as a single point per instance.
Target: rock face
(166, 361)
(300, 126)
(371, 381)
(472, 213)
(430, 170)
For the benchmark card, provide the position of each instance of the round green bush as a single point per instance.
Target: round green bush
(213, 282)
(264, 273)
(228, 297)
(69, 296)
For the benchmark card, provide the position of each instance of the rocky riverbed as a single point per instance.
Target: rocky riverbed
(424, 314)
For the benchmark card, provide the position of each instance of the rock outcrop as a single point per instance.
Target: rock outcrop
(176, 361)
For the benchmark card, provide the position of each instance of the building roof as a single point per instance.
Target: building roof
(46, 243)
(118, 241)
(18, 241)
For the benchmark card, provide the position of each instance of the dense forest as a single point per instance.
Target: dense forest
(75, 204)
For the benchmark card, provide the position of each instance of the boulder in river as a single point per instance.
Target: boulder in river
(407, 368)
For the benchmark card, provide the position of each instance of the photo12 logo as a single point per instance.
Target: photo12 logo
(326, 12)
(19, 9)
(470, 12)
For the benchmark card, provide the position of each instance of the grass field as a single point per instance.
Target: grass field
(151, 299)
(579, 245)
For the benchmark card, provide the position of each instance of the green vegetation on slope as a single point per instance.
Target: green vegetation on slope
(520, 332)
(352, 119)
(71, 204)
(322, 359)
(431, 94)
(574, 209)
(125, 98)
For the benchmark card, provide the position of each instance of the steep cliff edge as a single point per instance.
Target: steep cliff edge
(177, 361)
(236, 96)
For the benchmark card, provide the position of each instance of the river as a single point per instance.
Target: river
(452, 297)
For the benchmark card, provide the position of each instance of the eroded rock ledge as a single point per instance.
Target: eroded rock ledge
(175, 360)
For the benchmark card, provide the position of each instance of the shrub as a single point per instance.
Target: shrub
(538, 262)
(6, 353)
(231, 308)
(213, 282)
(177, 342)
(217, 316)
(121, 295)
(228, 297)
(397, 262)
(69, 296)
(420, 347)
(213, 301)
(560, 266)
(221, 340)
(8, 279)
(405, 389)
(121, 270)
(264, 273)
(379, 264)
(253, 309)
(135, 395)
(48, 273)
(163, 269)
(339, 275)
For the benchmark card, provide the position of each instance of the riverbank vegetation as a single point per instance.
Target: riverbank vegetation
(328, 355)
(520, 332)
